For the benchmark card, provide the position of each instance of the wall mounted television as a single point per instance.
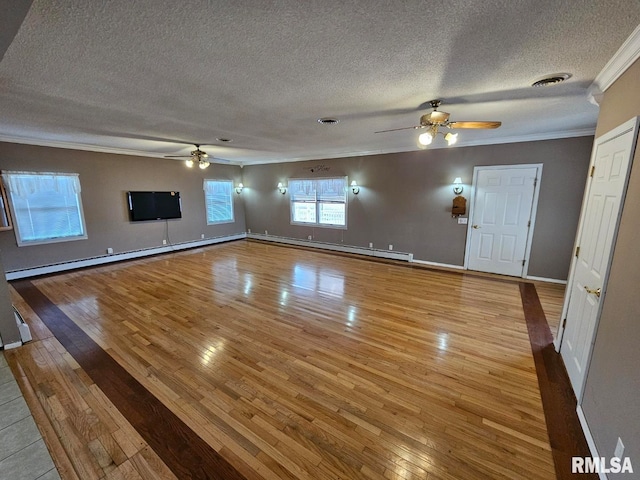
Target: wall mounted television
(154, 206)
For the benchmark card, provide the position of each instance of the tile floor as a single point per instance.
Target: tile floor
(23, 454)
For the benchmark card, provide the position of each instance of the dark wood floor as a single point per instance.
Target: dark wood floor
(259, 361)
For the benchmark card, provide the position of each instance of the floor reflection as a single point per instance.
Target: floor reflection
(248, 283)
(318, 279)
(212, 352)
(443, 341)
(352, 315)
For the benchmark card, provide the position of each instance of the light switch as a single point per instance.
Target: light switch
(462, 220)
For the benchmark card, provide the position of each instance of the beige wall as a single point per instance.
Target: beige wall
(406, 198)
(105, 179)
(611, 401)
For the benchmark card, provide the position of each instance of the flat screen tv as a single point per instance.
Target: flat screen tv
(154, 206)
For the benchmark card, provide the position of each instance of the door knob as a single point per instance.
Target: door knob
(476, 226)
(595, 291)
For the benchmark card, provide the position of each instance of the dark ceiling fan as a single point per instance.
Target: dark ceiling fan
(196, 156)
(436, 119)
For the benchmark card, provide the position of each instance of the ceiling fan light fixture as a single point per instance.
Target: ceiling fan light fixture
(189, 163)
(451, 138)
(203, 164)
(425, 138)
(438, 120)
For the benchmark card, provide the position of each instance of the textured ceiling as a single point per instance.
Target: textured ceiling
(152, 76)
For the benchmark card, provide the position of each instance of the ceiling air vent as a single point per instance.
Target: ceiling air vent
(328, 121)
(551, 80)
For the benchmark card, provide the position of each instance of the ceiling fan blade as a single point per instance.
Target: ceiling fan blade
(178, 156)
(474, 124)
(403, 128)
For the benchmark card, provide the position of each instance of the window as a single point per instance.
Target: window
(46, 207)
(321, 201)
(218, 200)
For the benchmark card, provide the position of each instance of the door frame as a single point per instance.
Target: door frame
(630, 125)
(533, 214)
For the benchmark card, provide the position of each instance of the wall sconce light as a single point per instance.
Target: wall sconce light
(459, 202)
(354, 187)
(239, 188)
(282, 188)
(457, 186)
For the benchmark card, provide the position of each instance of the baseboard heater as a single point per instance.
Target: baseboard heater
(103, 259)
(25, 333)
(371, 252)
(23, 328)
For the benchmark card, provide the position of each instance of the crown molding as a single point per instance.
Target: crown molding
(74, 146)
(533, 137)
(536, 137)
(94, 148)
(626, 55)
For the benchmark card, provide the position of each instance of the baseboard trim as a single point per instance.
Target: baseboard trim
(544, 279)
(9, 346)
(118, 257)
(371, 252)
(590, 442)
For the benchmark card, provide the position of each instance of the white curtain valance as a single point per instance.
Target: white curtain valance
(318, 189)
(302, 189)
(214, 187)
(24, 184)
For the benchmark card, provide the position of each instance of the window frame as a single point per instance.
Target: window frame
(5, 214)
(16, 224)
(206, 202)
(317, 203)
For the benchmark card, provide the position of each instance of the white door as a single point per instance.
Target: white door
(599, 225)
(501, 219)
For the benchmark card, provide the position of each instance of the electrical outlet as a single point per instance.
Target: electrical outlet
(266, 232)
(202, 236)
(390, 247)
(164, 242)
(248, 229)
(309, 237)
(619, 451)
(109, 251)
(370, 244)
(462, 220)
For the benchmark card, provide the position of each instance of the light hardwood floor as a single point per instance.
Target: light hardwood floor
(295, 364)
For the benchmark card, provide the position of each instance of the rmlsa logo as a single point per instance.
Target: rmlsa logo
(601, 465)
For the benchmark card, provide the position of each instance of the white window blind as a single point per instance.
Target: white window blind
(46, 207)
(218, 198)
(319, 201)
